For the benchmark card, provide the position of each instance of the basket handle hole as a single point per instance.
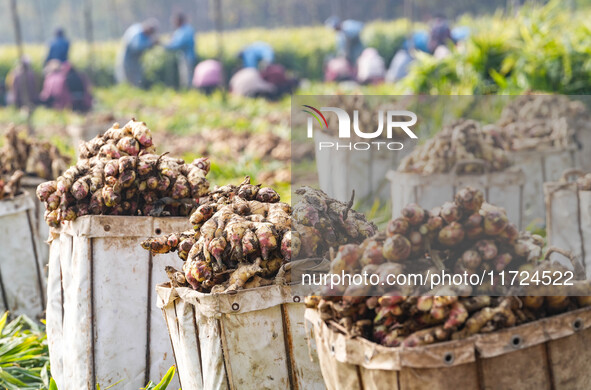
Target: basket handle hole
(516, 341)
(578, 324)
(448, 358)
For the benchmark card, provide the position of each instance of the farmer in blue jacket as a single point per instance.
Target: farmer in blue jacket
(58, 47)
(255, 53)
(183, 42)
(136, 41)
(349, 43)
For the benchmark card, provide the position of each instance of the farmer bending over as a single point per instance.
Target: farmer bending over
(349, 43)
(136, 41)
(257, 54)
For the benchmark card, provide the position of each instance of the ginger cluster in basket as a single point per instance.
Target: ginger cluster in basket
(410, 321)
(467, 236)
(324, 223)
(462, 146)
(529, 122)
(118, 174)
(239, 232)
(243, 235)
(36, 158)
(539, 122)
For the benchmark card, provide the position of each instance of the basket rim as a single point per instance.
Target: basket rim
(21, 202)
(366, 353)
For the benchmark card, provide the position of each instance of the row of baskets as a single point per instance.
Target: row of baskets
(104, 315)
(372, 174)
(104, 307)
(537, 190)
(102, 329)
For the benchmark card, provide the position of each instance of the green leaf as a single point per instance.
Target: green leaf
(110, 386)
(163, 384)
(52, 385)
(3, 321)
(5, 376)
(498, 78)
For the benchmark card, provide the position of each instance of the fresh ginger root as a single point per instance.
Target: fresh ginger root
(427, 336)
(177, 278)
(501, 314)
(243, 273)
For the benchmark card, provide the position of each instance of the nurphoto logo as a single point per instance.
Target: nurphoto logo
(393, 119)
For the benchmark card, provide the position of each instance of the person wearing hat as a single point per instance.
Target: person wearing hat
(183, 42)
(58, 47)
(138, 39)
(349, 43)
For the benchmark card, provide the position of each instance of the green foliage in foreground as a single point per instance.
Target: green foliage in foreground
(163, 384)
(24, 357)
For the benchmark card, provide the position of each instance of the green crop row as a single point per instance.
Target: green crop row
(540, 49)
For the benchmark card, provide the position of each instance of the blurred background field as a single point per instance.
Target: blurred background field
(540, 48)
(302, 49)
